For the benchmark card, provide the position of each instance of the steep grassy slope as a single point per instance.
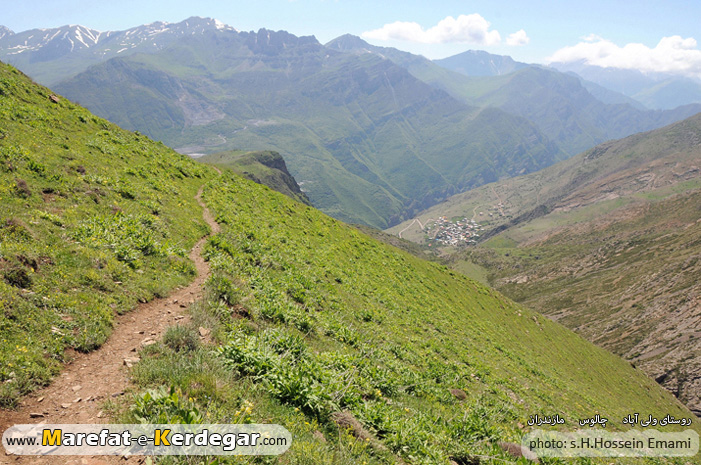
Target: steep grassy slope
(267, 168)
(313, 316)
(372, 143)
(92, 220)
(323, 319)
(606, 243)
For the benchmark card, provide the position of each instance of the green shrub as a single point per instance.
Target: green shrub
(224, 289)
(181, 338)
(248, 356)
(300, 385)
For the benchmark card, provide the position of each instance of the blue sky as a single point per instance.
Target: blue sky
(547, 26)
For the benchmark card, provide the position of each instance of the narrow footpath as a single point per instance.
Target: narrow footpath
(78, 393)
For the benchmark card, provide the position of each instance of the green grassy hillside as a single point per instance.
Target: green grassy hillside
(309, 317)
(321, 318)
(93, 219)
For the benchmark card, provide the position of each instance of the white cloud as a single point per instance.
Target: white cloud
(518, 38)
(671, 55)
(464, 29)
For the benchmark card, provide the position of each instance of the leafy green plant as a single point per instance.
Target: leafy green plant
(246, 355)
(164, 406)
(224, 289)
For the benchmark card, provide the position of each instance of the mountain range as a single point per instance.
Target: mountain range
(564, 109)
(574, 113)
(52, 55)
(373, 133)
(370, 141)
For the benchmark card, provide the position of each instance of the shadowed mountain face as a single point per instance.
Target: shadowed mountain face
(369, 141)
(606, 243)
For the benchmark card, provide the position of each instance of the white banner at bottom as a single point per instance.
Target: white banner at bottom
(176, 439)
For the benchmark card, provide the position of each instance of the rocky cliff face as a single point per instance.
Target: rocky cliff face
(264, 167)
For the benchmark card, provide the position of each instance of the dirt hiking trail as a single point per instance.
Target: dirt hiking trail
(78, 393)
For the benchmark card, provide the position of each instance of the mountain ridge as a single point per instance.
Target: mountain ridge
(267, 168)
(574, 113)
(28, 49)
(562, 107)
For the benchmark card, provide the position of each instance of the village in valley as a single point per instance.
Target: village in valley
(454, 233)
(458, 231)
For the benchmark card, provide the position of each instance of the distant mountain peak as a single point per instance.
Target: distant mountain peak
(4, 31)
(210, 23)
(480, 63)
(479, 52)
(347, 42)
(192, 24)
